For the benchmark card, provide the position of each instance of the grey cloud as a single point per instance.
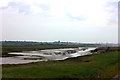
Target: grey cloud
(111, 4)
(24, 8)
(21, 7)
(3, 7)
(80, 18)
(113, 11)
(43, 6)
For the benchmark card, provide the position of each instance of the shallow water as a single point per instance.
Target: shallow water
(45, 55)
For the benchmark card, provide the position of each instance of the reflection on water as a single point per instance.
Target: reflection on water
(45, 55)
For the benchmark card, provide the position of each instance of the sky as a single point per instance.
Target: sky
(64, 20)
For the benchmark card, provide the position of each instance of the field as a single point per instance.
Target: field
(103, 66)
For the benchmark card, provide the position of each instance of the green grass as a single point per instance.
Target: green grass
(110, 71)
(104, 65)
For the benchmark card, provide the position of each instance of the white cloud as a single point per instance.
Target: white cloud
(4, 3)
(56, 15)
(36, 10)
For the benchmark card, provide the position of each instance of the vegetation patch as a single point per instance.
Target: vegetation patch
(89, 67)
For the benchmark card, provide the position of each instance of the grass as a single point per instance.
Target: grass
(94, 66)
(110, 71)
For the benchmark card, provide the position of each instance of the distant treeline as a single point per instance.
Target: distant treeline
(20, 43)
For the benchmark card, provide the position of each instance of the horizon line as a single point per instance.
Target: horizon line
(58, 41)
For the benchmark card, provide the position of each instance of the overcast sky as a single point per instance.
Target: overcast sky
(64, 20)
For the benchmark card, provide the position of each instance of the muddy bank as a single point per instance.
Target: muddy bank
(45, 55)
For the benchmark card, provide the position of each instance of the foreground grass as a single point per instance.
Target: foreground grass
(94, 66)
